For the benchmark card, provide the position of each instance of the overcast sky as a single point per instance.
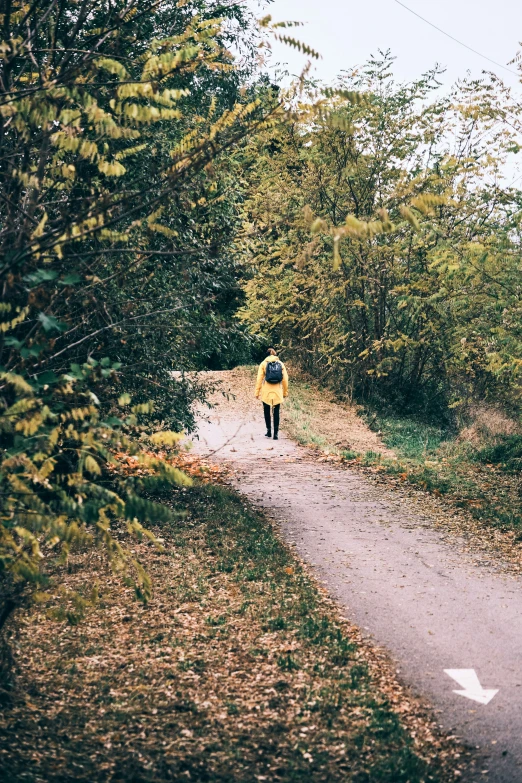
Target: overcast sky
(346, 33)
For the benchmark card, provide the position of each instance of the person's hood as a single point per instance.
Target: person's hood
(272, 359)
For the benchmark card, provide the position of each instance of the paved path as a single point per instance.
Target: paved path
(429, 604)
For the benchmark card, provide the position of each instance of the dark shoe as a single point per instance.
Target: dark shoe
(268, 434)
(276, 436)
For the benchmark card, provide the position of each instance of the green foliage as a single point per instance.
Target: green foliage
(116, 213)
(62, 482)
(383, 249)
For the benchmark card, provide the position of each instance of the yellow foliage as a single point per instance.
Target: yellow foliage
(426, 202)
(143, 407)
(176, 475)
(30, 425)
(318, 225)
(91, 465)
(19, 383)
(115, 67)
(7, 326)
(111, 168)
(166, 438)
(409, 217)
(160, 229)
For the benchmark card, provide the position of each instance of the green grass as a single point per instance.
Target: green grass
(411, 438)
(299, 417)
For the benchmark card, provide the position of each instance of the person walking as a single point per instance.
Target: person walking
(272, 387)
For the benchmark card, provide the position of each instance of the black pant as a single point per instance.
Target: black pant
(266, 409)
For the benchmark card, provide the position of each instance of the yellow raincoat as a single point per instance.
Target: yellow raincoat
(271, 393)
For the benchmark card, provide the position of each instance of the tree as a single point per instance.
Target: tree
(404, 191)
(114, 118)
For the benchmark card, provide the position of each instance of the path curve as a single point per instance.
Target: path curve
(433, 608)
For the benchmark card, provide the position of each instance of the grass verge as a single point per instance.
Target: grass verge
(238, 670)
(482, 477)
(484, 480)
(300, 420)
(314, 418)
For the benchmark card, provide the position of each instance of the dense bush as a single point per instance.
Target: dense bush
(117, 211)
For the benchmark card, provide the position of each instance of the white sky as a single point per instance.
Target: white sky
(346, 32)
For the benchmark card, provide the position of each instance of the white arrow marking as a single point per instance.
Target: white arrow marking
(468, 680)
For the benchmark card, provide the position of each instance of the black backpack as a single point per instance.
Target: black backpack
(274, 372)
